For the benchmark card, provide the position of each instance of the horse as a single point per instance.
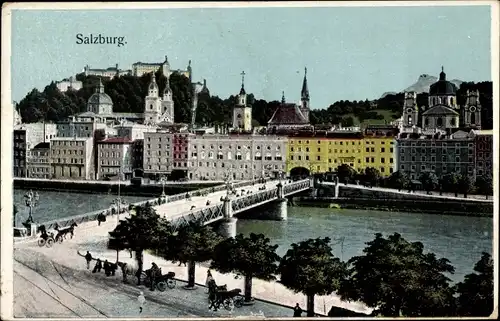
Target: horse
(64, 231)
(128, 270)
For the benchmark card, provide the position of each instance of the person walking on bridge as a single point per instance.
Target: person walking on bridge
(88, 258)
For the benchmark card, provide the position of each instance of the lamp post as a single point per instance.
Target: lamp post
(31, 200)
(163, 179)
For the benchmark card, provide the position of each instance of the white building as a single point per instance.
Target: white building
(142, 68)
(158, 109)
(72, 83)
(106, 73)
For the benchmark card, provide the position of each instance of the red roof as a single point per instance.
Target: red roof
(287, 114)
(116, 140)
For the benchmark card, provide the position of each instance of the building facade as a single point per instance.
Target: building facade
(27, 136)
(439, 153)
(238, 157)
(72, 158)
(38, 162)
(115, 158)
(158, 109)
(141, 68)
(106, 73)
(66, 84)
(157, 154)
(483, 141)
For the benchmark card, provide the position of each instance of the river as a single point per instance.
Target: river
(460, 239)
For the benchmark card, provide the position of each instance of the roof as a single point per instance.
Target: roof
(442, 86)
(100, 98)
(440, 110)
(42, 146)
(287, 114)
(116, 140)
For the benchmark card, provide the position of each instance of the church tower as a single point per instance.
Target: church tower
(242, 113)
(471, 112)
(152, 108)
(304, 97)
(410, 110)
(167, 105)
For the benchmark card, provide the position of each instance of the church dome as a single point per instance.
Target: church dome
(100, 97)
(442, 86)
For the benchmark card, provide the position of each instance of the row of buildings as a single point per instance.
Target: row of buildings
(100, 143)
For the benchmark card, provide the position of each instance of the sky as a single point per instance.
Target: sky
(351, 53)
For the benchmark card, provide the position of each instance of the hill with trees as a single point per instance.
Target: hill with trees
(128, 92)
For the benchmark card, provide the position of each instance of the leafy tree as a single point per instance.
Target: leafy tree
(450, 182)
(484, 185)
(251, 257)
(142, 231)
(348, 122)
(345, 173)
(398, 180)
(397, 278)
(476, 291)
(466, 184)
(429, 181)
(310, 267)
(194, 243)
(372, 175)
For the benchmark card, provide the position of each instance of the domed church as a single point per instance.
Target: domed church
(443, 112)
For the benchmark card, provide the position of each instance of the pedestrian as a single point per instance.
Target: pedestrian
(97, 267)
(88, 258)
(209, 278)
(297, 311)
(107, 268)
(141, 300)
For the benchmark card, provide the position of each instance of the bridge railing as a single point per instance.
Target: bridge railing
(92, 216)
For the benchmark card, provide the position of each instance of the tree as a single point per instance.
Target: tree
(397, 278)
(450, 182)
(429, 181)
(372, 175)
(251, 257)
(345, 173)
(142, 231)
(484, 185)
(465, 184)
(194, 243)
(398, 180)
(310, 267)
(476, 291)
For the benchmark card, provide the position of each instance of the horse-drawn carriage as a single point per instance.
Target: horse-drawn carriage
(48, 238)
(218, 295)
(162, 281)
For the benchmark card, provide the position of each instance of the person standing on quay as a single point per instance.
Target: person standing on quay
(209, 278)
(297, 311)
(141, 300)
(88, 258)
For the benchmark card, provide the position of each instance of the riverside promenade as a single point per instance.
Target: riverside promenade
(63, 265)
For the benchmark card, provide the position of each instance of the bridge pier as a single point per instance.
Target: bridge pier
(228, 225)
(279, 208)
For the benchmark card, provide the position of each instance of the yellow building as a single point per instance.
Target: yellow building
(324, 153)
(317, 153)
(379, 152)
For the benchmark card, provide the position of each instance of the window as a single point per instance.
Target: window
(382, 150)
(318, 157)
(319, 149)
(382, 160)
(367, 159)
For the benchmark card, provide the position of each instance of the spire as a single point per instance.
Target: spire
(442, 75)
(189, 65)
(167, 86)
(100, 89)
(242, 91)
(166, 59)
(305, 90)
(283, 97)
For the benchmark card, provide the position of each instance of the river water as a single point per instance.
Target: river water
(458, 238)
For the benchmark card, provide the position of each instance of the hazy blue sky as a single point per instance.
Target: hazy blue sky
(351, 53)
